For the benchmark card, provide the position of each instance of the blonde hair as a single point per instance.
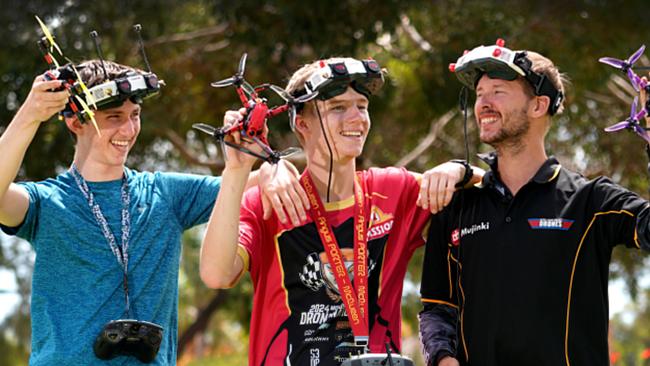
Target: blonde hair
(296, 85)
(299, 78)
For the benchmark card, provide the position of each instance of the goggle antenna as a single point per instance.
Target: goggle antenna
(137, 28)
(95, 37)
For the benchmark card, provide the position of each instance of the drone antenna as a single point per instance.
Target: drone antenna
(137, 28)
(95, 37)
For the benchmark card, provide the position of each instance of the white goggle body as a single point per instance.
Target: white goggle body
(499, 62)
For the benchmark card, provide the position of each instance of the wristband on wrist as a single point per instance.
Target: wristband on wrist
(468, 172)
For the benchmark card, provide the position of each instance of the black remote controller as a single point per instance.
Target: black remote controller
(129, 337)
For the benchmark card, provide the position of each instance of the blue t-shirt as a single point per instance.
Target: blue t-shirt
(77, 281)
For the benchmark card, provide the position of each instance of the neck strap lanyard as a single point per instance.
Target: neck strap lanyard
(354, 298)
(122, 252)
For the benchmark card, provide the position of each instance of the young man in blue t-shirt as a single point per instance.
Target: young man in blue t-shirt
(99, 223)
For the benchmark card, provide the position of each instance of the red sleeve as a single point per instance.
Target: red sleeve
(402, 187)
(418, 218)
(251, 227)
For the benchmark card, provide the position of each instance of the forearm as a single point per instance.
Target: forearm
(13, 144)
(219, 263)
(438, 334)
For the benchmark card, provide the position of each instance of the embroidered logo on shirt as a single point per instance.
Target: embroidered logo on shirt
(550, 224)
(455, 237)
(470, 230)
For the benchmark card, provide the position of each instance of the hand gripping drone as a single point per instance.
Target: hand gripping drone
(70, 77)
(253, 127)
(633, 122)
(134, 86)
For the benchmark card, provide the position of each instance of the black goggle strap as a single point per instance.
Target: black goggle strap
(541, 84)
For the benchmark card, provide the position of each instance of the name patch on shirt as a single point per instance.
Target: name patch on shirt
(550, 224)
(457, 234)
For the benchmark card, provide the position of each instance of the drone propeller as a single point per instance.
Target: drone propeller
(223, 83)
(623, 64)
(89, 97)
(47, 46)
(242, 65)
(216, 133)
(628, 122)
(210, 130)
(632, 122)
(48, 36)
(619, 126)
(289, 98)
(292, 102)
(289, 151)
(626, 66)
(236, 79)
(89, 113)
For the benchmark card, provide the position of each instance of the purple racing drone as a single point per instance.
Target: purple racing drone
(633, 122)
(626, 67)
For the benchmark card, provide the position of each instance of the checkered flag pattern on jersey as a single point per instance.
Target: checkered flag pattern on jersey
(311, 273)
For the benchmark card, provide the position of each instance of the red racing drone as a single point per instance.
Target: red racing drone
(70, 77)
(253, 126)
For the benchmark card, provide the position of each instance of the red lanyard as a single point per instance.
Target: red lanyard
(355, 305)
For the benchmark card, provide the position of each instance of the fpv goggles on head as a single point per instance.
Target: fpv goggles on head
(134, 87)
(333, 78)
(499, 62)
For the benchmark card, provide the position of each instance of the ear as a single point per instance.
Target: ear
(540, 106)
(301, 124)
(74, 125)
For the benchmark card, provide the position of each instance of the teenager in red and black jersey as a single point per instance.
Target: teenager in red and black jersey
(299, 316)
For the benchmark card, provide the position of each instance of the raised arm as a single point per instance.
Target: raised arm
(219, 263)
(39, 106)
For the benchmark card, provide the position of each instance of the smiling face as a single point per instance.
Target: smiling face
(119, 128)
(501, 111)
(346, 123)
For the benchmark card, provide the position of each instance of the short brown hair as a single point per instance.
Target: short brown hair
(544, 66)
(92, 71)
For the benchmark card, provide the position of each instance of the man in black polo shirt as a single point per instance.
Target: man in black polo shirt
(516, 269)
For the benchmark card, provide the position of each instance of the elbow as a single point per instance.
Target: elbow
(215, 280)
